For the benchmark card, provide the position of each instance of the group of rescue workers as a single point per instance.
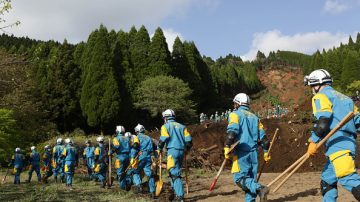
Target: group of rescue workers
(139, 151)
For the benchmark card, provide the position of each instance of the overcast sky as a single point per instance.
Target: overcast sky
(218, 27)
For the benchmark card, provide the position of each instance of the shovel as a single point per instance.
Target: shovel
(159, 183)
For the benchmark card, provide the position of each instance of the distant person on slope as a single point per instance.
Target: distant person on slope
(34, 164)
(17, 161)
(246, 127)
(329, 108)
(178, 141)
(70, 158)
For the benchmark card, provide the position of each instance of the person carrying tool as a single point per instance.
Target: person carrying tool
(47, 167)
(246, 127)
(142, 148)
(34, 161)
(89, 158)
(122, 149)
(17, 160)
(329, 108)
(70, 158)
(58, 164)
(177, 140)
(101, 159)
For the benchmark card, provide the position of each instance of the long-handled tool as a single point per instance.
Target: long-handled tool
(306, 156)
(4, 179)
(110, 176)
(160, 183)
(222, 166)
(129, 167)
(186, 176)
(265, 162)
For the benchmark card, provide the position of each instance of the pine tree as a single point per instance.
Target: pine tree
(351, 69)
(139, 50)
(159, 55)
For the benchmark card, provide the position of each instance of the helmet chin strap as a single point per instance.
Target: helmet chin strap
(316, 89)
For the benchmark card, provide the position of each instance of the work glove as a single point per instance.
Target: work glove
(133, 163)
(312, 148)
(267, 157)
(226, 153)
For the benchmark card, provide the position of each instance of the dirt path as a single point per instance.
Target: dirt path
(301, 187)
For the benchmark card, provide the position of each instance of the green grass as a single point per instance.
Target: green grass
(83, 191)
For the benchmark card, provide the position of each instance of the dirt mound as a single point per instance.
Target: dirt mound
(292, 143)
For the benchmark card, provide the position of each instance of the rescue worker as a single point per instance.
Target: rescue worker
(70, 158)
(47, 167)
(34, 161)
(17, 161)
(89, 158)
(178, 141)
(58, 164)
(329, 108)
(244, 126)
(141, 152)
(217, 117)
(121, 146)
(101, 161)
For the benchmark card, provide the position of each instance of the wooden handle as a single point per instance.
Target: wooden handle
(292, 172)
(160, 166)
(186, 176)
(273, 140)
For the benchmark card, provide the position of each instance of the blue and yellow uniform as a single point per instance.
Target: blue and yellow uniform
(89, 158)
(101, 163)
(70, 157)
(330, 107)
(47, 169)
(17, 161)
(247, 129)
(121, 146)
(58, 163)
(177, 140)
(34, 165)
(145, 146)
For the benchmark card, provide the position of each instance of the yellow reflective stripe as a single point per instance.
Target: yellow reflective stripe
(337, 154)
(356, 110)
(117, 163)
(64, 152)
(136, 140)
(186, 132)
(261, 126)
(54, 149)
(84, 152)
(164, 132)
(235, 166)
(116, 142)
(325, 104)
(170, 162)
(233, 119)
(97, 151)
(343, 163)
(13, 157)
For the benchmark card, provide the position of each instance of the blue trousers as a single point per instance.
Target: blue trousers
(174, 163)
(35, 168)
(17, 174)
(121, 163)
(90, 164)
(348, 181)
(69, 171)
(59, 169)
(144, 164)
(246, 177)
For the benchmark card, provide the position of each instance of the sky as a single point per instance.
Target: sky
(218, 27)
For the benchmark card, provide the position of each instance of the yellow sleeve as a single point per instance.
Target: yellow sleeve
(54, 149)
(64, 152)
(261, 126)
(116, 142)
(233, 118)
(356, 110)
(97, 151)
(13, 157)
(164, 132)
(136, 140)
(321, 105)
(186, 132)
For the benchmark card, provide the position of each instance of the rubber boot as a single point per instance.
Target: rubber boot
(138, 190)
(263, 192)
(178, 199)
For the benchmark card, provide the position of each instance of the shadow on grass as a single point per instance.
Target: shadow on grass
(294, 197)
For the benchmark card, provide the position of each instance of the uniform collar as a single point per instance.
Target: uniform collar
(326, 88)
(244, 107)
(170, 120)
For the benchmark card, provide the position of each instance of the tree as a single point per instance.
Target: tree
(5, 7)
(353, 87)
(159, 55)
(100, 99)
(351, 69)
(7, 132)
(162, 92)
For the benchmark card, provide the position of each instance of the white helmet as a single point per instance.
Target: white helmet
(46, 147)
(168, 113)
(68, 141)
(317, 77)
(127, 134)
(139, 128)
(17, 149)
(32, 148)
(100, 139)
(59, 140)
(242, 99)
(120, 129)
